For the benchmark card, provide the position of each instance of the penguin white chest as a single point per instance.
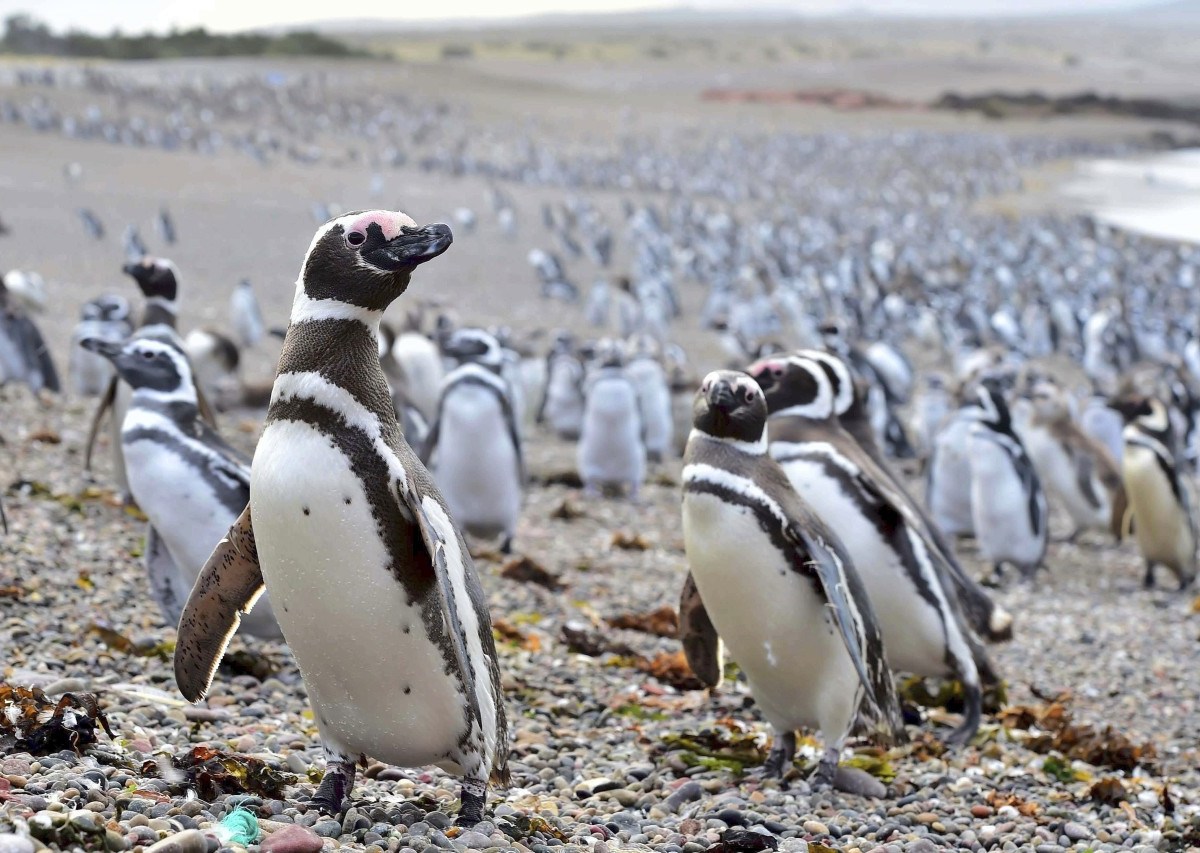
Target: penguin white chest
(181, 506)
(476, 463)
(1161, 528)
(773, 620)
(377, 682)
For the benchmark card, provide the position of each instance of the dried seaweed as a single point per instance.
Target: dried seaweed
(1052, 730)
(212, 773)
(567, 511)
(745, 841)
(671, 668)
(663, 622)
(629, 541)
(143, 648)
(948, 694)
(31, 722)
(582, 640)
(1110, 790)
(526, 570)
(720, 748)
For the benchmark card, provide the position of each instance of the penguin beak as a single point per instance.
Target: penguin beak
(720, 397)
(411, 248)
(108, 349)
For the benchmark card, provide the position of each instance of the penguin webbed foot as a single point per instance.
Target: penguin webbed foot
(779, 759)
(822, 780)
(331, 795)
(972, 715)
(506, 546)
(472, 802)
(1148, 578)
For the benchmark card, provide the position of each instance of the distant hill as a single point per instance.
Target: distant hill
(1171, 11)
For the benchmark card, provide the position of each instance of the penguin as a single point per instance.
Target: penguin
(1008, 505)
(24, 356)
(932, 406)
(776, 584)
(1160, 505)
(187, 480)
(1103, 423)
(348, 531)
(948, 477)
(418, 366)
(215, 359)
(246, 314)
(159, 284)
(649, 380)
(165, 226)
(107, 318)
(917, 608)
(474, 446)
(562, 400)
(1075, 469)
(986, 618)
(611, 450)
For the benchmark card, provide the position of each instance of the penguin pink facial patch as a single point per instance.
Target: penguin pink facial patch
(391, 221)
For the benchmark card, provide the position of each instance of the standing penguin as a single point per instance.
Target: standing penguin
(246, 315)
(1008, 506)
(347, 529)
(649, 380)
(562, 399)
(190, 484)
(775, 584)
(474, 446)
(948, 478)
(1163, 524)
(24, 356)
(158, 282)
(923, 629)
(611, 450)
(1076, 469)
(106, 318)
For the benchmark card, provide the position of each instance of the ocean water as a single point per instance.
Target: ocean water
(1157, 194)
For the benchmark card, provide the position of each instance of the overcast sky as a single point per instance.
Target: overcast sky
(137, 15)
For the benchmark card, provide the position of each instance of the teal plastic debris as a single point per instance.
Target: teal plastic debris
(238, 827)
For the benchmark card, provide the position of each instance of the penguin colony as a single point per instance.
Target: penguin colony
(391, 449)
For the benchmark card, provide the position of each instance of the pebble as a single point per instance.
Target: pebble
(11, 843)
(852, 780)
(292, 839)
(188, 841)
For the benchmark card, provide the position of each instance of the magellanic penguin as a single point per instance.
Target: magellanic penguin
(107, 318)
(986, 618)
(645, 371)
(1075, 469)
(190, 484)
(562, 399)
(776, 585)
(474, 445)
(348, 531)
(911, 592)
(24, 356)
(1160, 505)
(611, 449)
(1008, 505)
(246, 315)
(158, 282)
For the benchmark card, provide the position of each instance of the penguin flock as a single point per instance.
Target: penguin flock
(853, 403)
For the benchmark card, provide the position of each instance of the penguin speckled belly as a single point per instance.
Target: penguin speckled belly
(371, 581)
(775, 584)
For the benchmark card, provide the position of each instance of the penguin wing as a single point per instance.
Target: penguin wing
(514, 435)
(37, 354)
(702, 645)
(163, 574)
(1085, 476)
(238, 463)
(228, 586)
(820, 553)
(106, 403)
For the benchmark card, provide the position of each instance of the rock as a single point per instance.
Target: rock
(10, 843)
(66, 685)
(474, 840)
(328, 828)
(1076, 831)
(688, 792)
(923, 845)
(980, 810)
(815, 827)
(926, 818)
(595, 786)
(188, 841)
(852, 780)
(292, 839)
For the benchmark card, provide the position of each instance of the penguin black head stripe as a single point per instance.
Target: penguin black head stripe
(155, 277)
(366, 258)
(145, 363)
(796, 386)
(476, 346)
(730, 405)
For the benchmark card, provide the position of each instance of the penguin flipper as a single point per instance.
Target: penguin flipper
(207, 414)
(106, 403)
(163, 574)
(228, 586)
(702, 645)
(852, 612)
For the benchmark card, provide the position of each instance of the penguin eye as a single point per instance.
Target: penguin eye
(749, 395)
(356, 238)
(147, 354)
(777, 372)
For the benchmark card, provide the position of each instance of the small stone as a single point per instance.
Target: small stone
(922, 845)
(815, 827)
(980, 810)
(1076, 831)
(852, 780)
(328, 828)
(474, 840)
(10, 843)
(292, 839)
(926, 818)
(595, 786)
(688, 792)
(188, 841)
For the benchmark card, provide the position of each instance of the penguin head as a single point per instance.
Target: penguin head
(155, 277)
(794, 386)
(990, 393)
(366, 258)
(147, 363)
(477, 347)
(730, 405)
(848, 393)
